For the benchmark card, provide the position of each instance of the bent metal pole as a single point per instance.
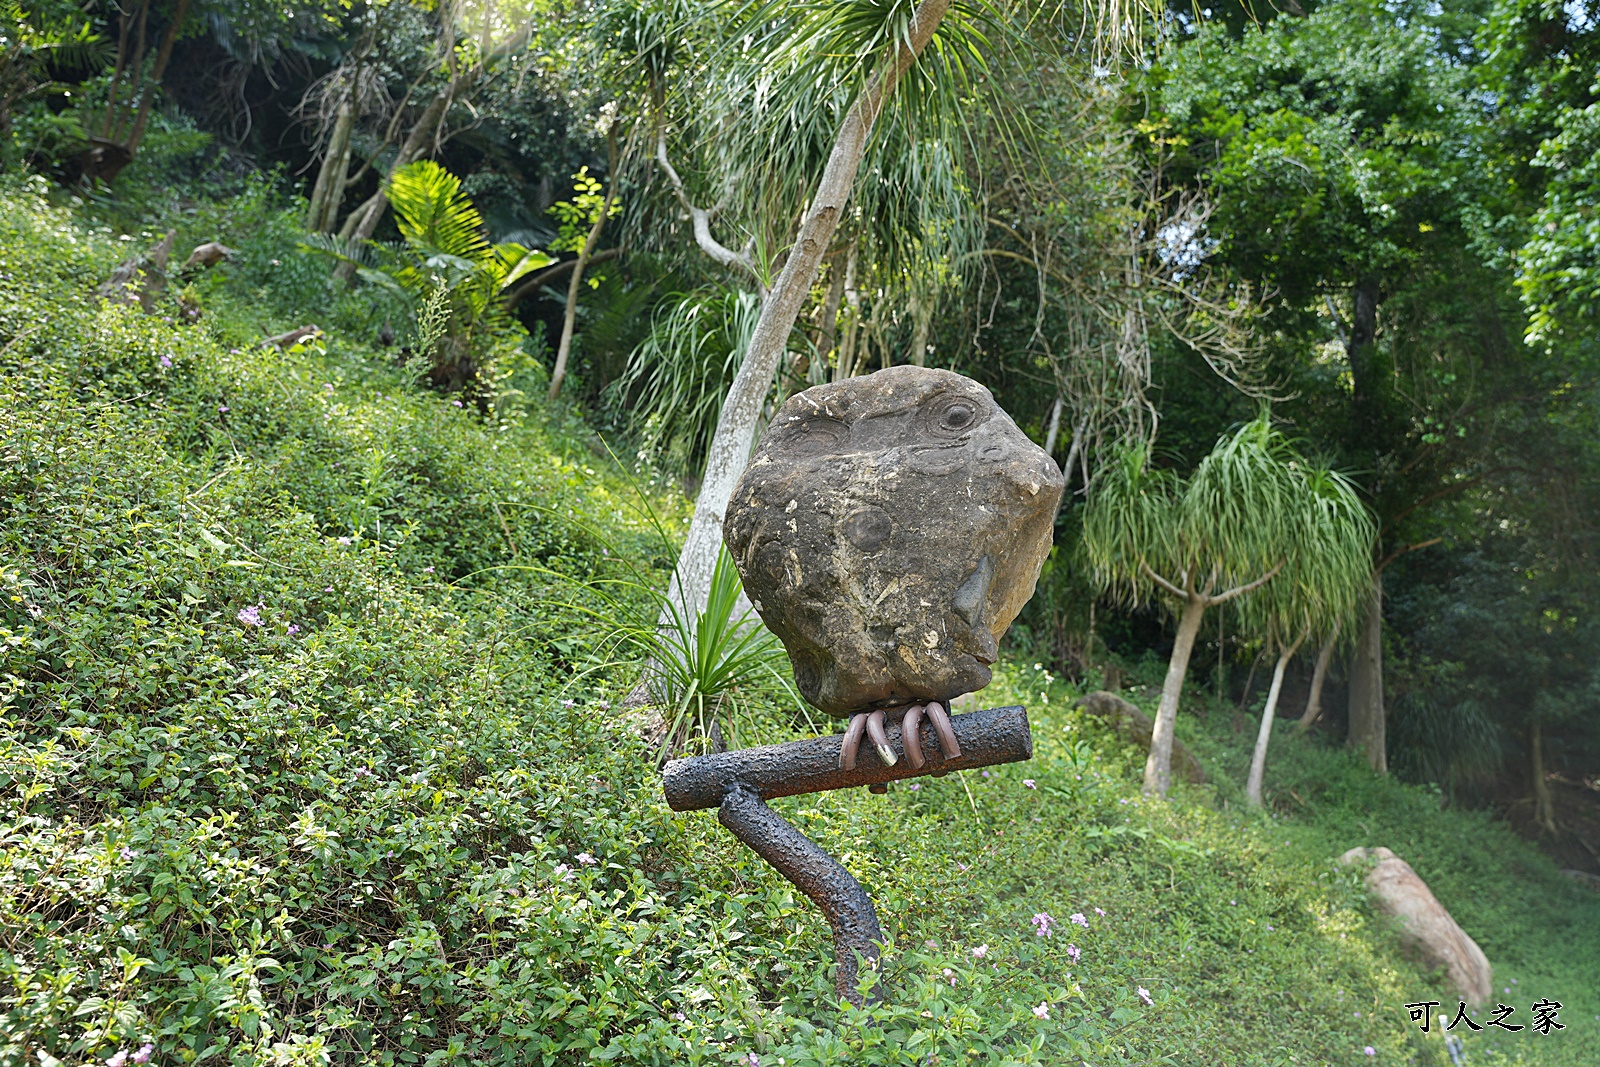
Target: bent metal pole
(739, 783)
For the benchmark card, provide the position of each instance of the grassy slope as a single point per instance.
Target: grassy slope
(368, 840)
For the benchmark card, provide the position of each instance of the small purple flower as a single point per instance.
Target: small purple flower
(569, 703)
(981, 951)
(251, 616)
(1042, 923)
(291, 630)
(914, 786)
(344, 540)
(1078, 917)
(586, 859)
(1144, 995)
(143, 1055)
(1030, 783)
(1101, 912)
(118, 1059)
(328, 386)
(1073, 951)
(986, 774)
(948, 973)
(1370, 1051)
(222, 407)
(678, 1015)
(427, 570)
(1124, 800)
(327, 589)
(457, 403)
(564, 871)
(931, 943)
(128, 853)
(166, 363)
(754, 1060)
(962, 867)
(1042, 1011)
(604, 705)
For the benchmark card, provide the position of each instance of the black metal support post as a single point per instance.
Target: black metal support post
(739, 783)
(816, 874)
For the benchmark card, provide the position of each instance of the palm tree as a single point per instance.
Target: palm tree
(884, 39)
(1322, 589)
(1221, 535)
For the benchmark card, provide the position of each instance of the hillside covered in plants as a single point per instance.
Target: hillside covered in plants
(373, 382)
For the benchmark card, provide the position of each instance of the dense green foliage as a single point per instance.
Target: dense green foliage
(312, 739)
(277, 798)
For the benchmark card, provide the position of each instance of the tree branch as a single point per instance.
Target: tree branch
(536, 281)
(1402, 550)
(701, 219)
(1241, 590)
(1162, 582)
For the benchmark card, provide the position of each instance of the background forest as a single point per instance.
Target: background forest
(331, 552)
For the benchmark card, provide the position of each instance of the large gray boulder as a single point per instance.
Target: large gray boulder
(1426, 928)
(888, 530)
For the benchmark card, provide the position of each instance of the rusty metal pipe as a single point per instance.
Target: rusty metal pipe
(996, 735)
(856, 934)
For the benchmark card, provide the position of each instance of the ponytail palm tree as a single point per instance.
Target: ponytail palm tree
(1222, 534)
(1323, 587)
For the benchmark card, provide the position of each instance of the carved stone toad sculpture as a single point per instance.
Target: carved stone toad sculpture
(888, 530)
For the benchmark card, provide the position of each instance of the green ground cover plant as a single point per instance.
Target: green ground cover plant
(291, 771)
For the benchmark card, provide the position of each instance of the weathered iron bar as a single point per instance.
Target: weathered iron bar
(739, 783)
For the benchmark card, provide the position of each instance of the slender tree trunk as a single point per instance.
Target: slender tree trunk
(1544, 809)
(1074, 451)
(741, 409)
(1158, 766)
(828, 322)
(363, 221)
(922, 324)
(328, 192)
(163, 54)
(125, 23)
(845, 364)
(1054, 429)
(113, 120)
(1359, 351)
(1366, 686)
(1258, 760)
(1319, 675)
(569, 321)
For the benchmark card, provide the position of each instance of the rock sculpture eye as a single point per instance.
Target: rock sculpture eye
(953, 416)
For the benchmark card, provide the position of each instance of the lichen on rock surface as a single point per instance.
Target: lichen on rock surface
(888, 530)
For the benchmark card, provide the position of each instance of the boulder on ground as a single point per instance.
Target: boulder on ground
(1135, 727)
(888, 530)
(1426, 928)
(208, 255)
(1584, 878)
